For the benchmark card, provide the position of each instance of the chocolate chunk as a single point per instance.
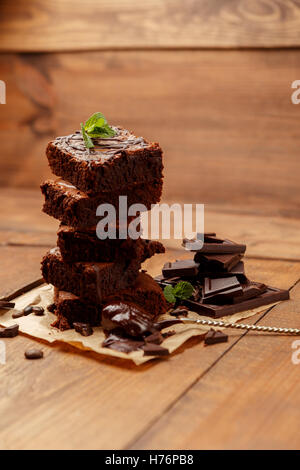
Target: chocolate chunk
(5, 304)
(169, 333)
(39, 311)
(83, 328)
(215, 245)
(128, 317)
(221, 289)
(155, 338)
(155, 350)
(270, 296)
(165, 324)
(253, 289)
(183, 268)
(34, 353)
(238, 271)
(28, 310)
(9, 331)
(119, 342)
(215, 336)
(216, 262)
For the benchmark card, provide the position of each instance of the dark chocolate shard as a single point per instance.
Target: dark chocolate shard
(5, 304)
(250, 290)
(119, 342)
(127, 316)
(9, 331)
(215, 245)
(221, 290)
(182, 268)
(154, 338)
(154, 350)
(215, 336)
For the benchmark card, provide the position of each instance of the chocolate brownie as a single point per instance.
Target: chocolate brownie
(69, 309)
(75, 208)
(145, 293)
(116, 163)
(92, 282)
(84, 245)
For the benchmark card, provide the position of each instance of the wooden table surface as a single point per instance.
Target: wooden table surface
(244, 394)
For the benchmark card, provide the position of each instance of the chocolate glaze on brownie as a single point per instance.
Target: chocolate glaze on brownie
(114, 163)
(75, 208)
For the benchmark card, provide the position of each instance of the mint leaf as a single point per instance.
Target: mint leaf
(97, 127)
(183, 290)
(169, 296)
(87, 140)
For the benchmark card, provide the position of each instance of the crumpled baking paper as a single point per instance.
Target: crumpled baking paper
(40, 327)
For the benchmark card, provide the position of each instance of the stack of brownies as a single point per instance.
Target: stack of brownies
(217, 274)
(88, 272)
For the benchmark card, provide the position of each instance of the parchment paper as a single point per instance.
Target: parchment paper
(40, 327)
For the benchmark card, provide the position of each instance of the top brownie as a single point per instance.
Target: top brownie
(114, 163)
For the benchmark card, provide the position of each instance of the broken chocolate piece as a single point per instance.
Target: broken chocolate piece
(117, 341)
(154, 350)
(154, 338)
(183, 268)
(221, 289)
(18, 314)
(38, 311)
(215, 336)
(215, 245)
(216, 262)
(253, 289)
(83, 328)
(9, 331)
(128, 317)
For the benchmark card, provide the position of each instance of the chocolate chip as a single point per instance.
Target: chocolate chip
(9, 331)
(83, 328)
(154, 350)
(39, 311)
(34, 353)
(27, 310)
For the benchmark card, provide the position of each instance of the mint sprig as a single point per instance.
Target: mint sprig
(182, 291)
(96, 127)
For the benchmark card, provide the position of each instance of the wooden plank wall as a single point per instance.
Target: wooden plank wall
(210, 80)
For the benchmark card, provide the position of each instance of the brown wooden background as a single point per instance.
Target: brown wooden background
(210, 80)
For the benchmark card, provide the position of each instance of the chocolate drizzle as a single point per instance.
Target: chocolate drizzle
(104, 148)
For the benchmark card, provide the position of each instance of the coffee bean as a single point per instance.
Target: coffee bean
(27, 310)
(18, 314)
(9, 331)
(34, 353)
(39, 311)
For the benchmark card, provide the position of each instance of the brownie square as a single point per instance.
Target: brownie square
(84, 245)
(145, 293)
(116, 163)
(90, 281)
(75, 208)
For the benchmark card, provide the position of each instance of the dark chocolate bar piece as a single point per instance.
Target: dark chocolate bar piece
(270, 296)
(115, 163)
(182, 268)
(215, 262)
(221, 290)
(238, 271)
(76, 209)
(215, 245)
(250, 290)
(215, 336)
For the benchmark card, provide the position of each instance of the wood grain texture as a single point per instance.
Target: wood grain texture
(73, 400)
(47, 25)
(249, 400)
(224, 119)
